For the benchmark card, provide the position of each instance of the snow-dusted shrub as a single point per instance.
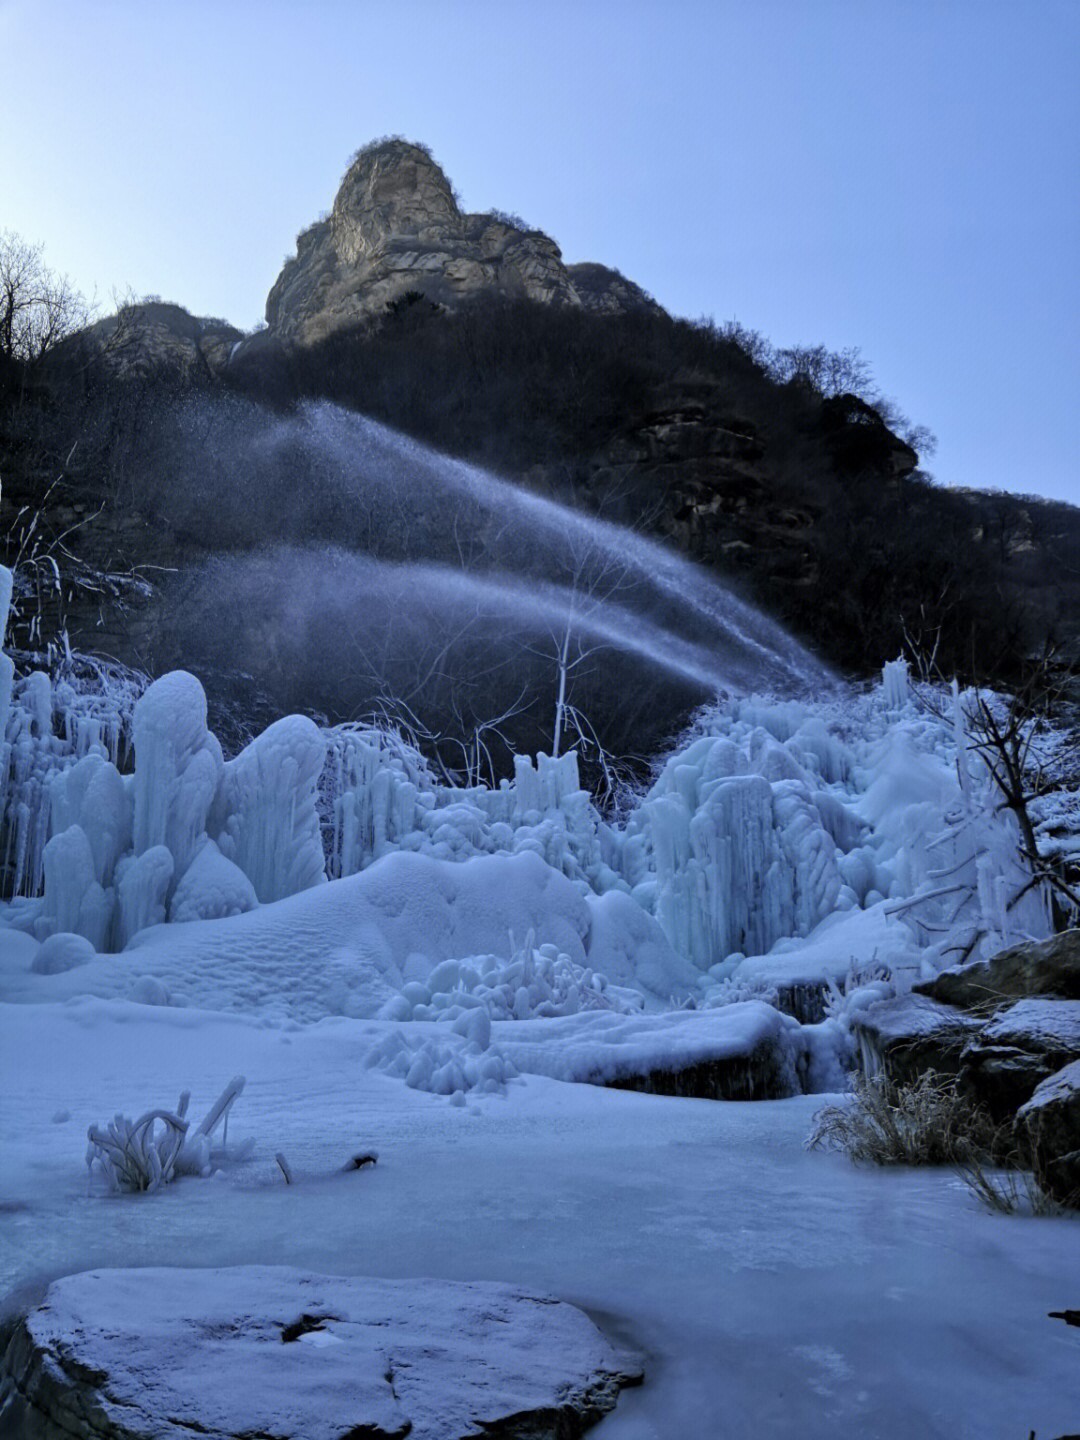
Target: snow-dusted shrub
(140, 1156)
(1011, 1191)
(931, 1121)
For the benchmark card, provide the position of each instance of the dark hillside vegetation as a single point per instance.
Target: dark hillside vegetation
(807, 498)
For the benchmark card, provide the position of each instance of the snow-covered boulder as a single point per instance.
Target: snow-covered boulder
(1050, 1124)
(261, 1350)
(1021, 1047)
(1045, 967)
(910, 1034)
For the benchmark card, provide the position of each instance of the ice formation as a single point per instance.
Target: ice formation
(535, 981)
(178, 764)
(7, 665)
(452, 1063)
(108, 854)
(265, 815)
(212, 888)
(46, 728)
(867, 821)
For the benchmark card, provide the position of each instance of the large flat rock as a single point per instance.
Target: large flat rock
(284, 1354)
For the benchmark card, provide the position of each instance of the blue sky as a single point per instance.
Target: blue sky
(901, 175)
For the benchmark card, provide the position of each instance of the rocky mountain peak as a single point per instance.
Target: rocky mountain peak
(396, 229)
(392, 189)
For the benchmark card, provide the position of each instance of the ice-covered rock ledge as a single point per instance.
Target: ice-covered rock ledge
(270, 1351)
(745, 1051)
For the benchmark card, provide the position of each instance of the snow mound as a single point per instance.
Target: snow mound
(340, 949)
(212, 888)
(452, 1064)
(62, 952)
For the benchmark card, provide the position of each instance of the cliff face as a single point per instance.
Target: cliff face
(396, 229)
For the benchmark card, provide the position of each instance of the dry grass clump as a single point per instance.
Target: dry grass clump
(930, 1122)
(887, 1123)
(1009, 1192)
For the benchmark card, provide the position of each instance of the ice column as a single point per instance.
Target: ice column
(7, 665)
(178, 764)
(265, 817)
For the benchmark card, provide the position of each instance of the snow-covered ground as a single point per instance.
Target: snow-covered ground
(771, 1291)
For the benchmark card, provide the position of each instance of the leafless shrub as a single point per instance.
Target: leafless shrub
(140, 1156)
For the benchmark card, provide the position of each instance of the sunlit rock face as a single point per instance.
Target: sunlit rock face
(153, 340)
(395, 230)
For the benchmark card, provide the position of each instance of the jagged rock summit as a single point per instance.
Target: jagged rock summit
(396, 230)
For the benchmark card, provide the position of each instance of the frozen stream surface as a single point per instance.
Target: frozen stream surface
(770, 1291)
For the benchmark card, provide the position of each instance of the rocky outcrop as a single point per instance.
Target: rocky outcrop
(701, 470)
(743, 1051)
(154, 340)
(395, 231)
(1018, 1050)
(262, 1351)
(1050, 1124)
(605, 291)
(1012, 1039)
(912, 1034)
(1045, 967)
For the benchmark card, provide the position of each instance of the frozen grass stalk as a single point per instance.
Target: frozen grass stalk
(140, 1156)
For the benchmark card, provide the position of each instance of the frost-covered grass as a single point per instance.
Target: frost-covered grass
(1010, 1191)
(930, 1121)
(140, 1156)
(927, 1122)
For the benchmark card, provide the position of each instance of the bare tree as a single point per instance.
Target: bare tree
(1004, 732)
(38, 307)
